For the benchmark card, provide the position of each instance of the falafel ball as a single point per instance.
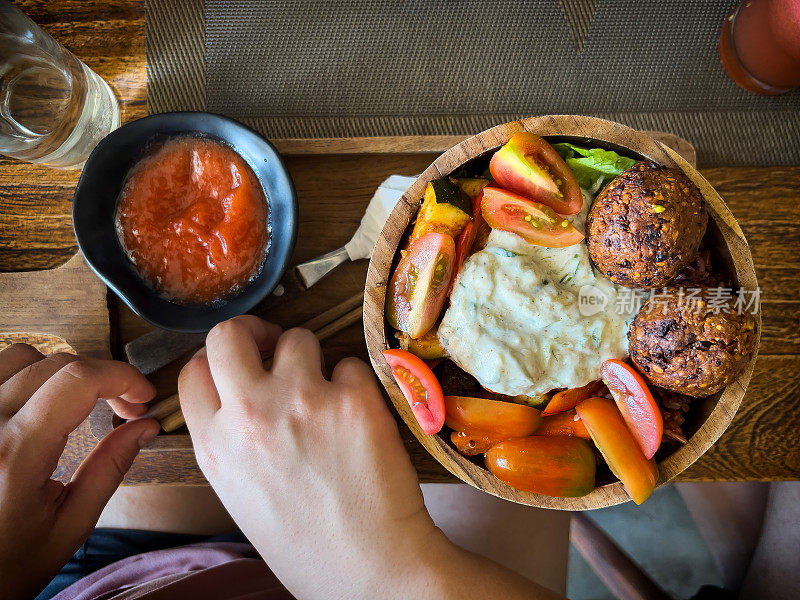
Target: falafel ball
(694, 345)
(646, 226)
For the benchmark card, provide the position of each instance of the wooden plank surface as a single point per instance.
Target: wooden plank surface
(35, 233)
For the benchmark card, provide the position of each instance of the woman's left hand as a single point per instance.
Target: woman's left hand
(42, 400)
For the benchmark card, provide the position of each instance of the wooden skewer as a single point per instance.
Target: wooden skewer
(168, 411)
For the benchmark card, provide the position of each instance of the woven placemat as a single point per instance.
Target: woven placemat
(330, 68)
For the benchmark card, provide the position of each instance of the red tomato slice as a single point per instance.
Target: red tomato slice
(530, 166)
(420, 387)
(463, 247)
(535, 223)
(420, 283)
(490, 418)
(467, 238)
(635, 402)
(569, 399)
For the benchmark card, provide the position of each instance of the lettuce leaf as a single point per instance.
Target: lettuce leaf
(593, 167)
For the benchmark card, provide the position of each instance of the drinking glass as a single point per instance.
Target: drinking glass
(759, 45)
(53, 108)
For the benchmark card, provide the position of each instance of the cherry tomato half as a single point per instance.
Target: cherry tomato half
(568, 399)
(618, 446)
(564, 423)
(636, 404)
(420, 283)
(491, 418)
(553, 466)
(530, 166)
(420, 387)
(534, 222)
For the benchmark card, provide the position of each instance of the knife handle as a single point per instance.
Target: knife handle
(311, 271)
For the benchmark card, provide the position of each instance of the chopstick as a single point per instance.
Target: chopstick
(168, 411)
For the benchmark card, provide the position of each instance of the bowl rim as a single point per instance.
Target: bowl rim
(590, 128)
(197, 318)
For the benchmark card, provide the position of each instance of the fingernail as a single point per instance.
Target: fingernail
(148, 436)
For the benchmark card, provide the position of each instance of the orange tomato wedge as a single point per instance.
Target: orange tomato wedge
(470, 444)
(553, 466)
(565, 423)
(569, 399)
(618, 446)
(490, 418)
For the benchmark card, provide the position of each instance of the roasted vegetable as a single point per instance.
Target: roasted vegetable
(445, 209)
(426, 347)
(472, 186)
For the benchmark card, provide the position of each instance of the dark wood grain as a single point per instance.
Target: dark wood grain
(35, 233)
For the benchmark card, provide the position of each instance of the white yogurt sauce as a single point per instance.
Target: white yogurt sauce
(514, 320)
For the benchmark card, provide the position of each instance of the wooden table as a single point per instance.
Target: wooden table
(763, 442)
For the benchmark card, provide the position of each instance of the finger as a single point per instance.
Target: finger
(234, 350)
(16, 391)
(127, 410)
(99, 475)
(197, 393)
(16, 357)
(297, 355)
(67, 398)
(352, 372)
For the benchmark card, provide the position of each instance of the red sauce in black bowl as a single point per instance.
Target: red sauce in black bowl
(192, 217)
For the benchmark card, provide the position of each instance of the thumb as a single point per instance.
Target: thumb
(100, 473)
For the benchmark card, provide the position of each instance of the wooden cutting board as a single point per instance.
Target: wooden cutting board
(56, 310)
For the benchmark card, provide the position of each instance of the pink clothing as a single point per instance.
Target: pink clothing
(219, 571)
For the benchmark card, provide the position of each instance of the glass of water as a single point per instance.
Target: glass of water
(53, 108)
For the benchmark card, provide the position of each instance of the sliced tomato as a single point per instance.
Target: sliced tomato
(420, 387)
(618, 446)
(467, 238)
(564, 423)
(553, 466)
(569, 399)
(528, 165)
(472, 444)
(534, 222)
(491, 418)
(420, 283)
(463, 247)
(636, 404)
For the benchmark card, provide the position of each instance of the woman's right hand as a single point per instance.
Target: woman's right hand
(313, 470)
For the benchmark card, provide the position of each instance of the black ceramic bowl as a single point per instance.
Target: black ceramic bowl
(94, 207)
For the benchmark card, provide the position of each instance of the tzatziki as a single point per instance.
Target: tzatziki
(526, 319)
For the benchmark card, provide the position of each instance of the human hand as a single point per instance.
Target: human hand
(42, 400)
(312, 470)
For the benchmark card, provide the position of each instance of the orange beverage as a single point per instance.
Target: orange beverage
(759, 45)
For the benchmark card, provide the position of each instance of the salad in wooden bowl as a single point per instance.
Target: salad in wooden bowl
(563, 311)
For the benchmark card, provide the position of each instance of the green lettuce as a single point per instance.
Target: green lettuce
(593, 167)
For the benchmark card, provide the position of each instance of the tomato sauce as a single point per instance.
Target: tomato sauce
(192, 217)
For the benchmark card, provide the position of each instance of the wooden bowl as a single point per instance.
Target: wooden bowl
(709, 417)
